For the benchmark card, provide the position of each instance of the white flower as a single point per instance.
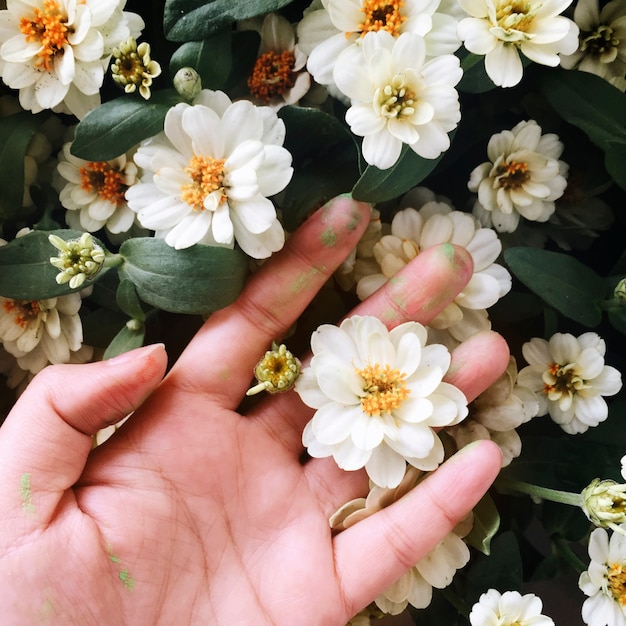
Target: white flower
(39, 332)
(496, 413)
(55, 51)
(602, 40)
(623, 464)
(279, 76)
(207, 176)
(324, 33)
(569, 376)
(379, 396)
(435, 223)
(500, 29)
(604, 581)
(93, 192)
(522, 177)
(508, 609)
(398, 97)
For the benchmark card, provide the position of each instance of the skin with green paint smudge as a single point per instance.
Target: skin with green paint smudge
(26, 493)
(305, 280)
(329, 237)
(127, 580)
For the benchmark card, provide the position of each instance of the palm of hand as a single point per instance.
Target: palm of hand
(193, 514)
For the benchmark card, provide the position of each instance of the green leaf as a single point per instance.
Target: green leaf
(410, 170)
(16, 132)
(211, 58)
(188, 20)
(561, 281)
(25, 269)
(129, 338)
(614, 159)
(475, 79)
(114, 127)
(127, 300)
(486, 525)
(200, 279)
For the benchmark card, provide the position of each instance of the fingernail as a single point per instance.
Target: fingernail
(136, 354)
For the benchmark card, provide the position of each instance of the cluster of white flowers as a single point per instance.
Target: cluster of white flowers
(510, 608)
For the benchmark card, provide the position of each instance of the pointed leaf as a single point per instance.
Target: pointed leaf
(130, 337)
(486, 525)
(127, 300)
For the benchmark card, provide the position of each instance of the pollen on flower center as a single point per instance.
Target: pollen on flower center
(516, 15)
(101, 177)
(601, 43)
(382, 15)
(49, 28)
(207, 176)
(395, 99)
(616, 582)
(24, 311)
(561, 380)
(272, 75)
(512, 175)
(384, 388)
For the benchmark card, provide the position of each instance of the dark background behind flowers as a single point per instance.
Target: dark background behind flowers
(555, 289)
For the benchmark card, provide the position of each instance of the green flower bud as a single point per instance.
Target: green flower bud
(619, 292)
(79, 259)
(187, 83)
(604, 503)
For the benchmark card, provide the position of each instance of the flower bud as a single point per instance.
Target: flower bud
(276, 371)
(604, 503)
(187, 83)
(79, 259)
(619, 293)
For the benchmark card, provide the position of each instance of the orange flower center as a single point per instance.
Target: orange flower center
(384, 387)
(512, 175)
(23, 311)
(49, 28)
(272, 75)
(101, 177)
(207, 176)
(382, 15)
(616, 581)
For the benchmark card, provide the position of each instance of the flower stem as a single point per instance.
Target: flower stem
(535, 491)
(564, 549)
(113, 260)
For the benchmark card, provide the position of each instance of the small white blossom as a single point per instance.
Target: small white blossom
(508, 609)
(523, 177)
(378, 396)
(501, 29)
(208, 175)
(605, 580)
(570, 378)
(399, 97)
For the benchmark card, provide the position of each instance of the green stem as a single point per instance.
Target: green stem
(113, 260)
(569, 555)
(544, 493)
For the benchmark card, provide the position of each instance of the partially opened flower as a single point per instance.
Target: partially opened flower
(208, 175)
(570, 378)
(55, 51)
(378, 396)
(501, 29)
(399, 97)
(523, 177)
(508, 609)
(133, 67)
(604, 580)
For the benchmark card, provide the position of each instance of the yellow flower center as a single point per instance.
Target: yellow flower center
(49, 28)
(562, 380)
(382, 15)
(23, 311)
(396, 99)
(616, 582)
(385, 389)
(601, 42)
(512, 175)
(207, 176)
(107, 182)
(516, 15)
(272, 75)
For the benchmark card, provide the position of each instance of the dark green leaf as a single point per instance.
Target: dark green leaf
(617, 318)
(200, 279)
(16, 131)
(25, 269)
(189, 20)
(211, 58)
(116, 126)
(101, 326)
(614, 159)
(126, 298)
(561, 281)
(129, 338)
(475, 79)
(486, 525)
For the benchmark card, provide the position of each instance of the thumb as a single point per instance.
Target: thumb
(46, 438)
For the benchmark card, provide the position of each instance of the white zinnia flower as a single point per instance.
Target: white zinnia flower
(413, 231)
(208, 174)
(93, 192)
(569, 376)
(55, 51)
(508, 609)
(522, 177)
(325, 32)
(398, 97)
(379, 396)
(501, 29)
(605, 580)
(602, 41)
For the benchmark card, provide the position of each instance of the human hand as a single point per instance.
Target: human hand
(194, 514)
